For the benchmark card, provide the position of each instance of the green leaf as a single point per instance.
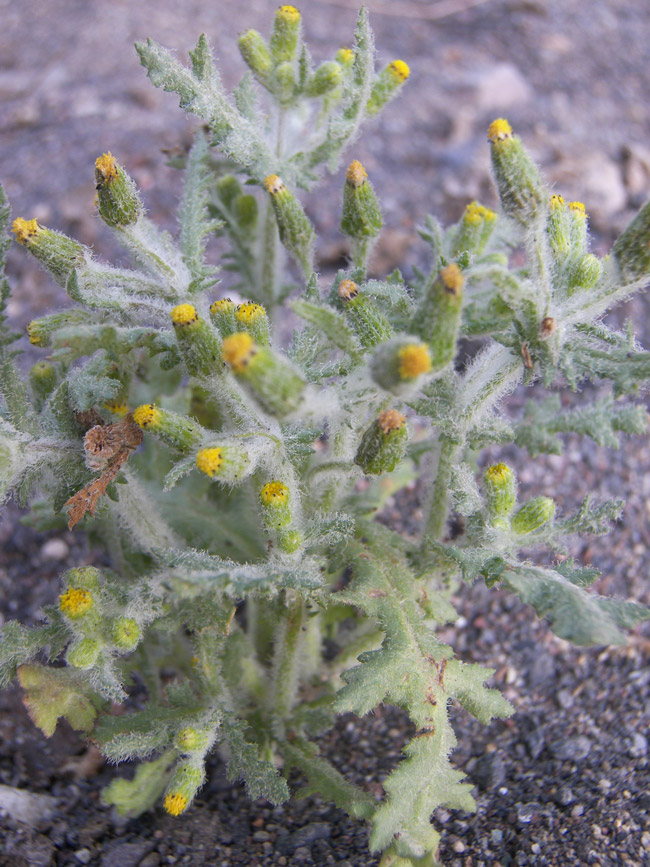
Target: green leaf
(18, 644)
(331, 323)
(196, 225)
(261, 778)
(51, 693)
(136, 796)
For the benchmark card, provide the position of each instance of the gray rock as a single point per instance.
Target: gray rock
(638, 745)
(126, 854)
(25, 806)
(571, 749)
(501, 87)
(304, 837)
(83, 856)
(489, 771)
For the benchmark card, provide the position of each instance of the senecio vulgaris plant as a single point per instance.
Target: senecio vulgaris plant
(234, 476)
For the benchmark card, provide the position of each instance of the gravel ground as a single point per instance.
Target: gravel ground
(566, 780)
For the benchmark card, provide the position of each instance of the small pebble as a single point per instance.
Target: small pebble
(54, 549)
(83, 856)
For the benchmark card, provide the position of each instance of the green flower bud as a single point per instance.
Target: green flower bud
(252, 318)
(383, 444)
(178, 431)
(388, 83)
(518, 181)
(183, 786)
(256, 55)
(197, 341)
(296, 231)
(43, 379)
(58, 253)
(228, 188)
(437, 318)
(369, 324)
(83, 654)
(500, 484)
(361, 217)
(327, 78)
(578, 224)
(222, 314)
(285, 34)
(398, 364)
(532, 515)
(84, 577)
(245, 210)
(586, 273)
(226, 463)
(290, 541)
(40, 330)
(474, 230)
(270, 377)
(275, 498)
(558, 229)
(192, 740)
(632, 249)
(118, 200)
(126, 633)
(284, 82)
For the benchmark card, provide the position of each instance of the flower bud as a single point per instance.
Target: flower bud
(361, 217)
(118, 200)
(222, 313)
(383, 444)
(533, 515)
(43, 379)
(178, 431)
(586, 273)
(474, 230)
(632, 249)
(296, 231)
(84, 577)
(276, 508)
(285, 34)
(256, 54)
(192, 740)
(76, 603)
(183, 786)
(369, 324)
(83, 654)
(226, 463)
(126, 633)
(252, 318)
(438, 316)
(500, 484)
(40, 330)
(198, 343)
(387, 85)
(269, 377)
(284, 82)
(558, 229)
(58, 253)
(246, 211)
(518, 181)
(578, 225)
(290, 541)
(327, 78)
(345, 58)
(398, 364)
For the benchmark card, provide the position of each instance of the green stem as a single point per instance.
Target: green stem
(439, 505)
(286, 663)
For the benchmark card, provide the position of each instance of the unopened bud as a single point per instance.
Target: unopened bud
(345, 57)
(437, 318)
(83, 654)
(256, 55)
(296, 231)
(84, 577)
(284, 82)
(222, 313)
(178, 431)
(118, 200)
(285, 34)
(558, 229)
(327, 78)
(275, 498)
(40, 331)
(43, 379)
(474, 230)
(252, 318)
(198, 343)
(361, 216)
(586, 274)
(126, 633)
(226, 463)
(186, 780)
(388, 83)
(383, 444)
(578, 226)
(58, 253)
(369, 324)
(500, 486)
(518, 181)
(533, 515)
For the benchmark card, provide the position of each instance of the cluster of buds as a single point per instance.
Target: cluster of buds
(500, 486)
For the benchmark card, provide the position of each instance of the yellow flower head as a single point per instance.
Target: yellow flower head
(556, 203)
(146, 415)
(578, 208)
(184, 314)
(288, 13)
(35, 338)
(356, 175)
(116, 407)
(499, 130)
(344, 56)
(414, 360)
(348, 290)
(223, 305)
(273, 184)
(390, 420)
(399, 70)
(476, 214)
(497, 474)
(209, 461)
(249, 312)
(274, 494)
(238, 349)
(105, 165)
(25, 229)
(75, 602)
(452, 278)
(175, 803)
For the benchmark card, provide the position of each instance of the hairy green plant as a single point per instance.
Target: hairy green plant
(233, 472)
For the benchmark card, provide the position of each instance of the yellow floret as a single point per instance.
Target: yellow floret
(556, 202)
(184, 314)
(390, 420)
(288, 13)
(116, 407)
(249, 312)
(344, 56)
(476, 213)
(238, 349)
(209, 461)
(223, 305)
(75, 602)
(146, 415)
(348, 290)
(35, 338)
(499, 130)
(578, 208)
(414, 360)
(273, 184)
(498, 473)
(175, 803)
(274, 494)
(105, 165)
(25, 229)
(452, 278)
(399, 70)
(356, 174)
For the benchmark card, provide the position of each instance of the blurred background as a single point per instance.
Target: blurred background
(572, 77)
